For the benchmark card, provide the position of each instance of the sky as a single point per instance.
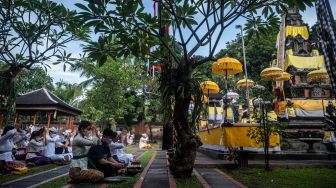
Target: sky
(57, 73)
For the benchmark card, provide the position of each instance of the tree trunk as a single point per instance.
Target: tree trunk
(182, 163)
(8, 92)
(167, 136)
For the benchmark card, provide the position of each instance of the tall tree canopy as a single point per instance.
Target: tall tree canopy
(32, 32)
(29, 80)
(116, 91)
(195, 25)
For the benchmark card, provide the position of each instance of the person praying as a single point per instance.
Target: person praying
(51, 139)
(35, 149)
(117, 149)
(143, 142)
(100, 156)
(7, 159)
(82, 142)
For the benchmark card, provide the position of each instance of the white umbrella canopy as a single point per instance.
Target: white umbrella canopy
(231, 95)
(259, 87)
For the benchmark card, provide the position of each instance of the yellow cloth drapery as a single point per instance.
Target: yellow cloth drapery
(315, 62)
(235, 136)
(315, 53)
(311, 104)
(219, 110)
(296, 30)
(282, 107)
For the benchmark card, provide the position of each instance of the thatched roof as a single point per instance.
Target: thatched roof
(43, 100)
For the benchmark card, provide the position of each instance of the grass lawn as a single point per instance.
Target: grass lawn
(31, 171)
(59, 182)
(287, 178)
(132, 180)
(188, 183)
(131, 149)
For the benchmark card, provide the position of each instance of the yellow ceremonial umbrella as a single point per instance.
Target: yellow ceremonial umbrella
(318, 75)
(209, 87)
(242, 83)
(271, 73)
(284, 77)
(225, 66)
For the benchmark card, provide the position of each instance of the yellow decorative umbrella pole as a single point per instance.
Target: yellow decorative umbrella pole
(319, 76)
(284, 77)
(225, 66)
(210, 88)
(247, 83)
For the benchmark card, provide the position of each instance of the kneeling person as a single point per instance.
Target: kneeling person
(100, 157)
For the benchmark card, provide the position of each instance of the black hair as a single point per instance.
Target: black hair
(83, 125)
(36, 134)
(108, 132)
(6, 129)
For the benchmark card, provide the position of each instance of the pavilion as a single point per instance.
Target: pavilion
(42, 107)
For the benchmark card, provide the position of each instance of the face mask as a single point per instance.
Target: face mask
(52, 135)
(109, 141)
(38, 139)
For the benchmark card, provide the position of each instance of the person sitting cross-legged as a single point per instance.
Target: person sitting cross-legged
(51, 139)
(35, 148)
(7, 161)
(117, 150)
(100, 158)
(79, 172)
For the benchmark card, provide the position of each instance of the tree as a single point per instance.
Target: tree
(196, 25)
(115, 92)
(32, 32)
(68, 92)
(29, 80)
(262, 133)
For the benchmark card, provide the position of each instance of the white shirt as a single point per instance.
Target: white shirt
(34, 147)
(114, 148)
(6, 145)
(50, 147)
(21, 139)
(143, 142)
(118, 150)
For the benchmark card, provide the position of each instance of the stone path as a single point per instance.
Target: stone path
(217, 179)
(157, 175)
(35, 179)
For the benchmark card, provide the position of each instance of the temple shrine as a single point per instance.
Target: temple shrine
(300, 101)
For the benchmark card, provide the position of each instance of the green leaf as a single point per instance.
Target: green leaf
(83, 7)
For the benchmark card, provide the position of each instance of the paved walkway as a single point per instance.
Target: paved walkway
(157, 175)
(215, 179)
(37, 178)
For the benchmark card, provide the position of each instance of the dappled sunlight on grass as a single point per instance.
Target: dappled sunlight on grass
(286, 178)
(188, 183)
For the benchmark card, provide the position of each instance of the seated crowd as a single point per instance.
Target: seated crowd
(91, 156)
